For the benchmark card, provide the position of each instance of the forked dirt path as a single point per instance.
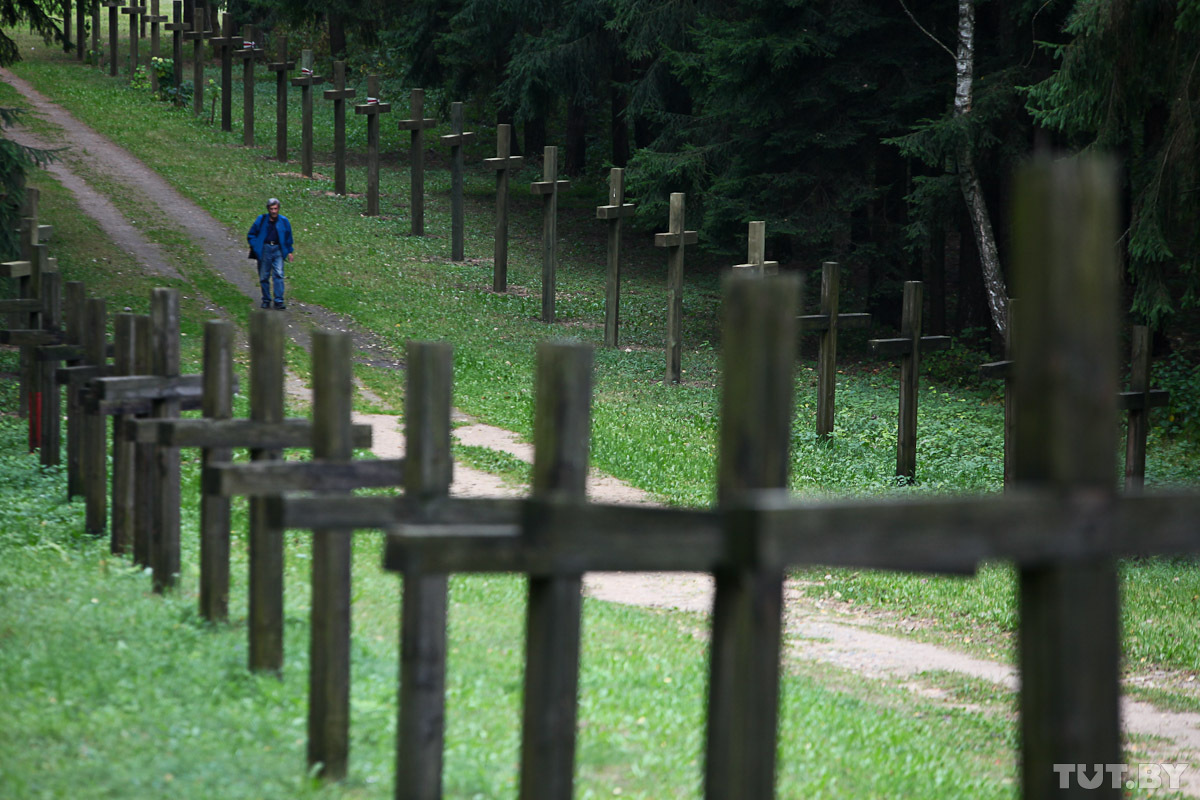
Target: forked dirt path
(811, 632)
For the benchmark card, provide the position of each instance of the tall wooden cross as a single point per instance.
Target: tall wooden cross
(372, 109)
(416, 125)
(196, 36)
(280, 67)
(93, 447)
(756, 264)
(456, 139)
(177, 27)
(227, 43)
(908, 347)
(548, 187)
(155, 19)
(96, 33)
(135, 12)
(675, 240)
(1138, 401)
(306, 80)
(616, 211)
(827, 324)
(503, 163)
(339, 94)
(249, 52)
(113, 7)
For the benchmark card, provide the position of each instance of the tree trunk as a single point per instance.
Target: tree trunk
(968, 176)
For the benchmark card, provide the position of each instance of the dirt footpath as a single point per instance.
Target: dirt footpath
(811, 632)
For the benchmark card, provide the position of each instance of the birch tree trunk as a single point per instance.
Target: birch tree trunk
(968, 177)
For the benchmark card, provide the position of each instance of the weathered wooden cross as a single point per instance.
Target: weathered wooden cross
(226, 43)
(503, 163)
(280, 67)
(757, 265)
(1138, 401)
(113, 7)
(416, 125)
(38, 317)
(827, 324)
(548, 187)
(135, 12)
(372, 109)
(909, 347)
(339, 94)
(1004, 370)
(249, 52)
(615, 212)
(177, 27)
(456, 140)
(197, 36)
(675, 240)
(306, 80)
(155, 19)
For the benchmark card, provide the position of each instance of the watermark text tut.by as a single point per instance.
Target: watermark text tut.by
(1120, 776)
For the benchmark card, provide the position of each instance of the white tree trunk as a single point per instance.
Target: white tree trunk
(968, 178)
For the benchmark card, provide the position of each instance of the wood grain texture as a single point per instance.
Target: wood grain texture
(165, 553)
(215, 510)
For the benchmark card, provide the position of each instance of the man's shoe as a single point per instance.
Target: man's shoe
(280, 306)
(265, 304)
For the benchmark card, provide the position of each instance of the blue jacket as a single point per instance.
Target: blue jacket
(257, 236)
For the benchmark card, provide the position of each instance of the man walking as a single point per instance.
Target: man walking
(270, 239)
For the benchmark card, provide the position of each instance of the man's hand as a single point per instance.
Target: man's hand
(290, 256)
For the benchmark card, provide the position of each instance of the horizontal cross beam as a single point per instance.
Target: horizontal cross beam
(887, 348)
(1136, 401)
(816, 323)
(356, 512)
(269, 478)
(247, 433)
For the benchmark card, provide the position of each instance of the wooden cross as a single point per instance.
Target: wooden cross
(135, 14)
(908, 347)
(416, 125)
(27, 273)
(332, 469)
(40, 317)
(96, 33)
(306, 81)
(339, 94)
(675, 239)
(616, 211)
(113, 7)
(154, 18)
(280, 67)
(177, 27)
(227, 43)
(456, 140)
(250, 50)
(548, 187)
(373, 108)
(827, 324)
(197, 36)
(1138, 401)
(1004, 370)
(503, 163)
(756, 253)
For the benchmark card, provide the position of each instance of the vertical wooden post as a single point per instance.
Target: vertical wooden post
(759, 330)
(1010, 394)
(155, 19)
(113, 7)
(1065, 222)
(66, 22)
(675, 240)
(428, 472)
(196, 36)
(80, 29)
(94, 451)
(177, 27)
(73, 308)
(756, 264)
(123, 485)
(96, 33)
(306, 81)
(502, 163)
(214, 510)
(248, 54)
(280, 68)
(51, 392)
(164, 323)
(827, 350)
(266, 540)
(39, 265)
(329, 649)
(562, 429)
(616, 210)
(226, 43)
(910, 371)
(339, 94)
(457, 139)
(135, 13)
(1139, 418)
(145, 468)
(416, 125)
(372, 109)
(548, 188)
